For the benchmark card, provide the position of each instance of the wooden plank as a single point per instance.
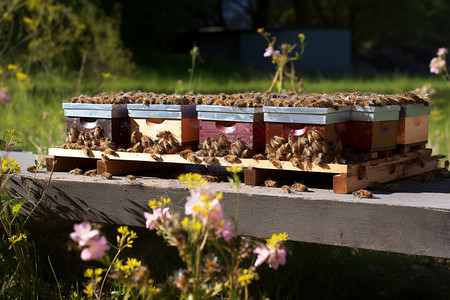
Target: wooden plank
(118, 167)
(61, 163)
(343, 183)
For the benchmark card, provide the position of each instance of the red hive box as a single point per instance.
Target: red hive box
(331, 123)
(113, 118)
(374, 128)
(233, 122)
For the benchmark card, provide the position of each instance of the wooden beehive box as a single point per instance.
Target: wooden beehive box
(180, 120)
(373, 128)
(413, 125)
(113, 118)
(331, 123)
(243, 122)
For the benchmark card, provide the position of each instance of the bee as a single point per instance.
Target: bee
(258, 157)
(108, 143)
(210, 178)
(296, 163)
(32, 169)
(74, 134)
(270, 183)
(298, 187)
(201, 153)
(232, 159)
(251, 103)
(362, 172)
(136, 137)
(235, 150)
(157, 158)
(98, 132)
(147, 141)
(219, 102)
(76, 171)
(107, 175)
(302, 142)
(137, 148)
(240, 144)
(211, 161)
(109, 151)
(277, 141)
(105, 158)
(185, 153)
(146, 101)
(286, 189)
(206, 145)
(291, 140)
(313, 134)
(277, 164)
(223, 141)
(130, 177)
(215, 145)
(193, 158)
(91, 173)
(88, 152)
(362, 194)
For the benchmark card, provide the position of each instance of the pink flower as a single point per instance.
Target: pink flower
(4, 98)
(263, 254)
(96, 249)
(158, 214)
(442, 51)
(269, 52)
(277, 257)
(83, 233)
(437, 65)
(225, 230)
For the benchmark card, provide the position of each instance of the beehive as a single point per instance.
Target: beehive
(113, 118)
(331, 123)
(373, 128)
(180, 120)
(243, 122)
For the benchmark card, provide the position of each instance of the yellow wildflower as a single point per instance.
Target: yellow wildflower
(27, 20)
(193, 180)
(152, 203)
(185, 222)
(88, 290)
(21, 76)
(98, 271)
(89, 273)
(14, 239)
(12, 67)
(105, 75)
(276, 239)
(235, 168)
(260, 30)
(9, 165)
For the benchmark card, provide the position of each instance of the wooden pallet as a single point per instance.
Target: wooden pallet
(347, 178)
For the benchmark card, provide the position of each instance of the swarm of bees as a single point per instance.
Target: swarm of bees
(336, 100)
(303, 152)
(164, 143)
(89, 141)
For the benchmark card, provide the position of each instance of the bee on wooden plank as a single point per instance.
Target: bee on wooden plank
(232, 159)
(211, 161)
(88, 152)
(112, 152)
(130, 177)
(362, 194)
(270, 183)
(193, 158)
(157, 158)
(210, 178)
(76, 171)
(105, 158)
(91, 173)
(276, 163)
(106, 175)
(259, 157)
(185, 153)
(296, 163)
(201, 153)
(298, 187)
(224, 142)
(32, 169)
(286, 189)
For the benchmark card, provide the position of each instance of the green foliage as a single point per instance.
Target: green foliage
(53, 36)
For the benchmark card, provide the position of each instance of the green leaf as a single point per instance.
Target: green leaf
(16, 208)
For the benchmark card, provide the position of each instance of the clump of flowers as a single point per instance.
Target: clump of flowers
(217, 262)
(280, 57)
(438, 64)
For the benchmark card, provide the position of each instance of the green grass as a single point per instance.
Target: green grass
(36, 112)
